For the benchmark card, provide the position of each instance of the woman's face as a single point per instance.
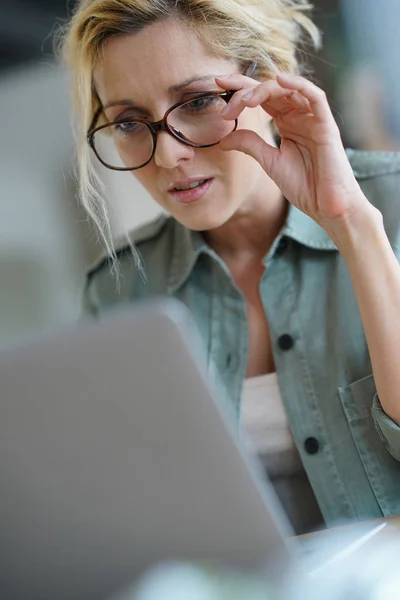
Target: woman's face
(153, 70)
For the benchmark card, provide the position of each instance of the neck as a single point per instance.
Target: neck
(249, 234)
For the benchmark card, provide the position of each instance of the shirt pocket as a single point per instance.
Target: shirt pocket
(382, 470)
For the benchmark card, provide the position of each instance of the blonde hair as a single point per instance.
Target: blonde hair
(266, 34)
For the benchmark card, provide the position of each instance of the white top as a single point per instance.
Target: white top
(265, 425)
(263, 418)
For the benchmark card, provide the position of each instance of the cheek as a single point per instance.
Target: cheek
(146, 176)
(226, 166)
(237, 170)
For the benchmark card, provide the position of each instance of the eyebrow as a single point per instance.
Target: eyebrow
(179, 86)
(173, 89)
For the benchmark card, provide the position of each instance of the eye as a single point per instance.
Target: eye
(199, 104)
(126, 127)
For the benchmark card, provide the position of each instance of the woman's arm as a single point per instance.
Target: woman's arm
(314, 174)
(375, 274)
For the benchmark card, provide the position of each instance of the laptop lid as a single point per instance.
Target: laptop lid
(115, 454)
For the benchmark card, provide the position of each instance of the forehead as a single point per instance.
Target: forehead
(148, 63)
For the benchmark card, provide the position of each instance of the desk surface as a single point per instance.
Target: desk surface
(333, 547)
(392, 528)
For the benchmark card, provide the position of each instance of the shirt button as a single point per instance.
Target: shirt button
(285, 342)
(311, 445)
(281, 247)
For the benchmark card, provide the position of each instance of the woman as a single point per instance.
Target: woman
(284, 256)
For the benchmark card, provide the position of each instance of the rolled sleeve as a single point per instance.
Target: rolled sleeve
(387, 429)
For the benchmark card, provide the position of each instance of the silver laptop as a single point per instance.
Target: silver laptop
(116, 453)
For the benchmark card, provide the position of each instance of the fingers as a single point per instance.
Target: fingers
(273, 98)
(245, 86)
(315, 96)
(269, 95)
(277, 96)
(235, 82)
(242, 84)
(296, 101)
(253, 145)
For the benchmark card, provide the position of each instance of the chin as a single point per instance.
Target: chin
(204, 221)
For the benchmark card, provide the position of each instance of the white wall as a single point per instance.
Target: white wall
(45, 245)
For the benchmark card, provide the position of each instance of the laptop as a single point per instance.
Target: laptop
(117, 453)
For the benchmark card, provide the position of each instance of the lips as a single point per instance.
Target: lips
(183, 193)
(191, 186)
(186, 183)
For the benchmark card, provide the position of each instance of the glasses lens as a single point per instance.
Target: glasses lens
(199, 121)
(124, 145)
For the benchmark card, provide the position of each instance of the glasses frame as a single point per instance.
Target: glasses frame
(154, 127)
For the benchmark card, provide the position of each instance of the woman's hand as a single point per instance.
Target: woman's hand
(310, 167)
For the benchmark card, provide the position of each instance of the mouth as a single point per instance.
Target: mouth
(191, 190)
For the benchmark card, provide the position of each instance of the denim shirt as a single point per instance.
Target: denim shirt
(349, 447)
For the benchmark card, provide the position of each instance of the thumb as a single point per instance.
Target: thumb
(249, 142)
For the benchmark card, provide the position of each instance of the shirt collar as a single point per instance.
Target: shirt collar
(306, 231)
(189, 245)
(186, 248)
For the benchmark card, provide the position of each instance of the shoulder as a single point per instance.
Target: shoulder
(368, 165)
(141, 260)
(146, 234)
(378, 174)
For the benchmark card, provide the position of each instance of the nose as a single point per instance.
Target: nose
(170, 152)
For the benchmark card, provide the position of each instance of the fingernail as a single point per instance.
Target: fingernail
(222, 76)
(225, 110)
(248, 95)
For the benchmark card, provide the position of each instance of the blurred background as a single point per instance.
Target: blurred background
(45, 241)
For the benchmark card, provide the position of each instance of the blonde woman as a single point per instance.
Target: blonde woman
(284, 255)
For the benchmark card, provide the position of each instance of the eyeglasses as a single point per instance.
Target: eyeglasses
(129, 144)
